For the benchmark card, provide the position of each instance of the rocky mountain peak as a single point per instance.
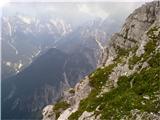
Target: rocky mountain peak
(133, 32)
(140, 20)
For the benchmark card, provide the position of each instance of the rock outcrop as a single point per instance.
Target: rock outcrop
(132, 32)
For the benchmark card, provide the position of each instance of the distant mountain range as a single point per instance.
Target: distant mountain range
(25, 37)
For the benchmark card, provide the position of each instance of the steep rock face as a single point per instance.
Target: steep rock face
(126, 86)
(132, 32)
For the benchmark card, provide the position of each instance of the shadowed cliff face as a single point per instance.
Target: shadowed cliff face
(127, 85)
(35, 83)
(41, 83)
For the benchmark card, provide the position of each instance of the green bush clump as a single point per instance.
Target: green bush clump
(72, 91)
(151, 33)
(133, 60)
(100, 76)
(155, 60)
(122, 52)
(150, 46)
(88, 104)
(60, 106)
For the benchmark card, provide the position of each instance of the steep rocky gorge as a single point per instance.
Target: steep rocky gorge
(127, 83)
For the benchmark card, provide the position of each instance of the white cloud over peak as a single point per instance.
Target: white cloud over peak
(94, 11)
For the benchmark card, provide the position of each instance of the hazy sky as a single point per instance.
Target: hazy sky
(77, 0)
(74, 12)
(3, 2)
(92, 9)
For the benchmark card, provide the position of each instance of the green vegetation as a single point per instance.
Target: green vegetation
(149, 50)
(60, 106)
(100, 76)
(122, 52)
(150, 46)
(89, 104)
(72, 91)
(152, 33)
(155, 60)
(133, 60)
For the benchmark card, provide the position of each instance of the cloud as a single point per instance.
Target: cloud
(94, 11)
(80, 1)
(3, 2)
(84, 8)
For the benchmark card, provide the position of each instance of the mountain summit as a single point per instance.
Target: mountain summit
(127, 85)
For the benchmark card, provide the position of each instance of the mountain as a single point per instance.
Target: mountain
(89, 39)
(127, 85)
(25, 37)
